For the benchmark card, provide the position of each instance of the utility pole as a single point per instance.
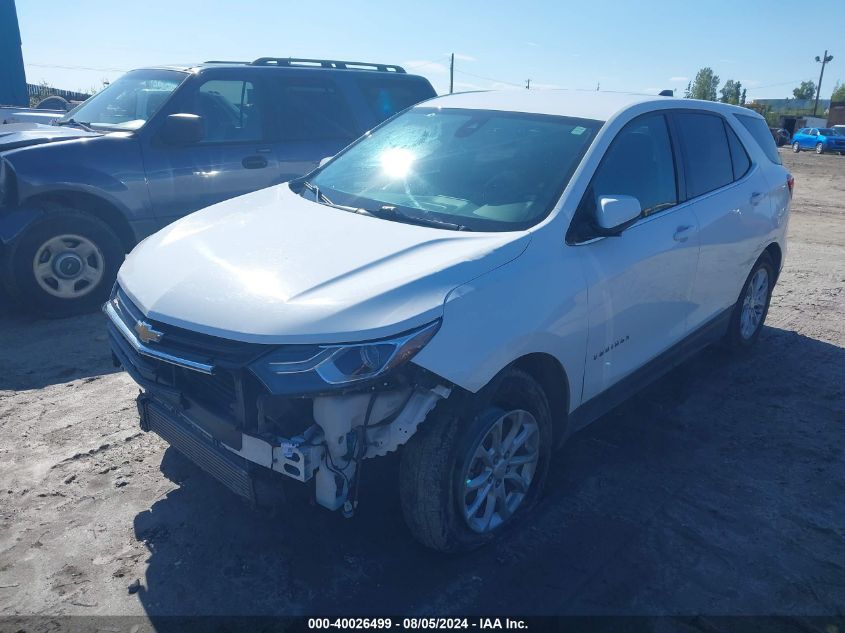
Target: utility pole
(528, 84)
(822, 60)
(452, 74)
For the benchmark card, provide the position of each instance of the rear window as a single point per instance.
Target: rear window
(386, 98)
(707, 158)
(760, 131)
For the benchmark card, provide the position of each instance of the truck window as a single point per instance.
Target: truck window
(309, 109)
(229, 110)
(386, 98)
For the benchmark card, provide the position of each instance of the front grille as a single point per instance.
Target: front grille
(230, 470)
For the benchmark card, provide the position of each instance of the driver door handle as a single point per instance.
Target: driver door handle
(681, 233)
(254, 162)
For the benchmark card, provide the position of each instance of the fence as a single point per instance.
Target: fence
(40, 92)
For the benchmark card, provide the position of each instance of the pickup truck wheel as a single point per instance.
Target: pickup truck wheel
(467, 476)
(751, 309)
(63, 264)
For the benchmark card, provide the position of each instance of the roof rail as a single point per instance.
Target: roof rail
(223, 61)
(326, 63)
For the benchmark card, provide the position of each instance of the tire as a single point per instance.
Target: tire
(819, 148)
(796, 147)
(65, 239)
(740, 336)
(438, 464)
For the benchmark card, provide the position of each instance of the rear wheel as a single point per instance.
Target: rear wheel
(819, 148)
(749, 313)
(796, 147)
(466, 477)
(63, 264)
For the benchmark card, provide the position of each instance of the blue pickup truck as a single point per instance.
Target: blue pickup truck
(159, 143)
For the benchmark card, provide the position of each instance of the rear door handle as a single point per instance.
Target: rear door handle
(757, 197)
(254, 162)
(681, 233)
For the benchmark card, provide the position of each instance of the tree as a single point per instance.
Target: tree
(807, 90)
(742, 98)
(705, 84)
(838, 92)
(688, 91)
(731, 92)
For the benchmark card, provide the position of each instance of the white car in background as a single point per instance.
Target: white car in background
(470, 283)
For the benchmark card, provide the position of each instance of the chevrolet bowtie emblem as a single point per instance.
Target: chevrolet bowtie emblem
(146, 333)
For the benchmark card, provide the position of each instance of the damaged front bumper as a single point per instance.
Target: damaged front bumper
(200, 397)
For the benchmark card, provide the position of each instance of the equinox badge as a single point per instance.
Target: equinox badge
(146, 333)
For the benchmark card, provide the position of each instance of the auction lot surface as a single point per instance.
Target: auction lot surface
(719, 490)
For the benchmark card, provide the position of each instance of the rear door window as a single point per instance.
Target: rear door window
(707, 158)
(311, 109)
(757, 127)
(386, 98)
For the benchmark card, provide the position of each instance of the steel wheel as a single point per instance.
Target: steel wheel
(499, 474)
(68, 266)
(754, 304)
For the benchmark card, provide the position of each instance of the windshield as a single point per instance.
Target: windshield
(129, 102)
(478, 169)
(828, 131)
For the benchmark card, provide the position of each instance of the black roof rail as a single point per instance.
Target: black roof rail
(326, 63)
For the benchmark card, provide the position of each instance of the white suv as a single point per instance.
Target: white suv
(470, 283)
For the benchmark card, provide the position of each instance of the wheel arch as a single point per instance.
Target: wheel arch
(774, 252)
(94, 205)
(552, 378)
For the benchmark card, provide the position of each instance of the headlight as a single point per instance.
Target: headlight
(293, 369)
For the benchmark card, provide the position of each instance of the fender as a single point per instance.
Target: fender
(16, 221)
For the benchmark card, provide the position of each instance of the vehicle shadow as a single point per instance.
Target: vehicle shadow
(712, 492)
(35, 352)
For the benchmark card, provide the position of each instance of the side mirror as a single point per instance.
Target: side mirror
(323, 161)
(182, 129)
(616, 213)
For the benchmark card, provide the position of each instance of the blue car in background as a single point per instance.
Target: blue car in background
(820, 139)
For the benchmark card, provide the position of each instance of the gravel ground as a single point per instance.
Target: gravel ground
(719, 490)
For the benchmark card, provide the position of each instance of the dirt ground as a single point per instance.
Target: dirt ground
(719, 490)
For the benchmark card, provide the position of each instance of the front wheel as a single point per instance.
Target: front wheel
(470, 474)
(819, 148)
(63, 264)
(796, 147)
(750, 310)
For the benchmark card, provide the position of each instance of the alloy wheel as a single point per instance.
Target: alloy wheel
(754, 304)
(498, 476)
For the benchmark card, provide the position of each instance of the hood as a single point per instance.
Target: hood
(15, 135)
(272, 267)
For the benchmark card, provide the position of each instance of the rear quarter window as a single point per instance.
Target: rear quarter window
(386, 98)
(760, 131)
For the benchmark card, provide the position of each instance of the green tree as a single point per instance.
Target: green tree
(688, 91)
(742, 98)
(807, 90)
(838, 92)
(705, 85)
(731, 92)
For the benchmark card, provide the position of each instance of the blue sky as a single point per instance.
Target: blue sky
(641, 46)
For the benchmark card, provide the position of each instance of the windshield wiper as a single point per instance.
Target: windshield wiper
(324, 199)
(391, 212)
(85, 126)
